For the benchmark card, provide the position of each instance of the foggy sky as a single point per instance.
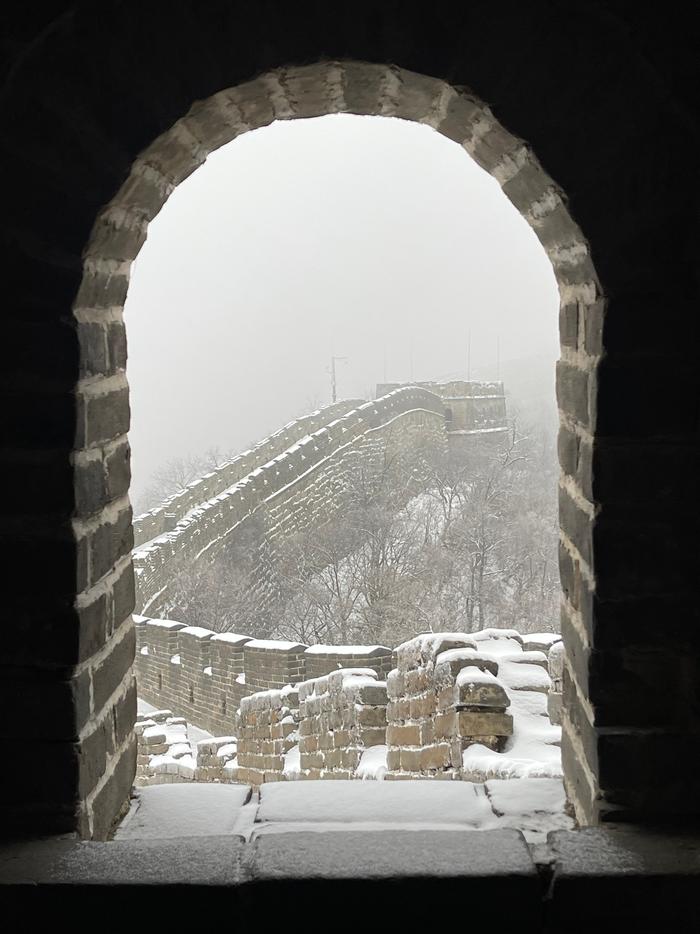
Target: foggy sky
(371, 238)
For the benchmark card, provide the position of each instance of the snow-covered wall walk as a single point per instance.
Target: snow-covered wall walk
(295, 490)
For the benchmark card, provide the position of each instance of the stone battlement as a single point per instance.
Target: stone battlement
(164, 517)
(204, 676)
(299, 488)
(470, 407)
(445, 709)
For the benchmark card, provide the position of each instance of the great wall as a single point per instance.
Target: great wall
(591, 120)
(439, 706)
(442, 705)
(297, 479)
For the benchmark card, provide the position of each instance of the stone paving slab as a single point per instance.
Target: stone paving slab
(414, 880)
(184, 810)
(391, 802)
(193, 861)
(639, 879)
(597, 879)
(392, 854)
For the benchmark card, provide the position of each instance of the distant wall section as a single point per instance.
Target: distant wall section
(164, 517)
(298, 490)
(471, 408)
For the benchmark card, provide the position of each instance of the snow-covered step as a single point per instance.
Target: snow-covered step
(184, 810)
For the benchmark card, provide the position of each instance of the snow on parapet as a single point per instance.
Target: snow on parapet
(485, 635)
(236, 502)
(197, 632)
(232, 638)
(459, 657)
(320, 649)
(454, 708)
(283, 437)
(424, 648)
(542, 641)
(471, 675)
(338, 681)
(150, 523)
(275, 645)
(159, 623)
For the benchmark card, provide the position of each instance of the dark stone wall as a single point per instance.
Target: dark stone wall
(606, 97)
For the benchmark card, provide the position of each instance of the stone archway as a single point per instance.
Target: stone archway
(605, 109)
(367, 89)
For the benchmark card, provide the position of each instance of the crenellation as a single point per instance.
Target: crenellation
(285, 711)
(164, 517)
(300, 487)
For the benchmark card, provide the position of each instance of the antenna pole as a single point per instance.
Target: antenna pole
(333, 378)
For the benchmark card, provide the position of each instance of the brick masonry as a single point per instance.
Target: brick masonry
(340, 715)
(85, 167)
(164, 517)
(267, 725)
(443, 696)
(203, 676)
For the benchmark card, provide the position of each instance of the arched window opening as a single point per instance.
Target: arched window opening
(447, 675)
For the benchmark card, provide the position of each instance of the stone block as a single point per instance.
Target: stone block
(350, 758)
(393, 758)
(472, 723)
(373, 694)
(489, 694)
(395, 685)
(554, 707)
(435, 757)
(422, 706)
(446, 698)
(306, 727)
(445, 724)
(410, 759)
(341, 738)
(313, 760)
(407, 734)
(372, 716)
(333, 758)
(373, 736)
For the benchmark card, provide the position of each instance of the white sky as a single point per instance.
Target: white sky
(372, 238)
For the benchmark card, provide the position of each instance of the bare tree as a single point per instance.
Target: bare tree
(175, 475)
(420, 543)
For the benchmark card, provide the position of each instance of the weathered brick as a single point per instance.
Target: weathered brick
(473, 723)
(435, 757)
(110, 673)
(403, 735)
